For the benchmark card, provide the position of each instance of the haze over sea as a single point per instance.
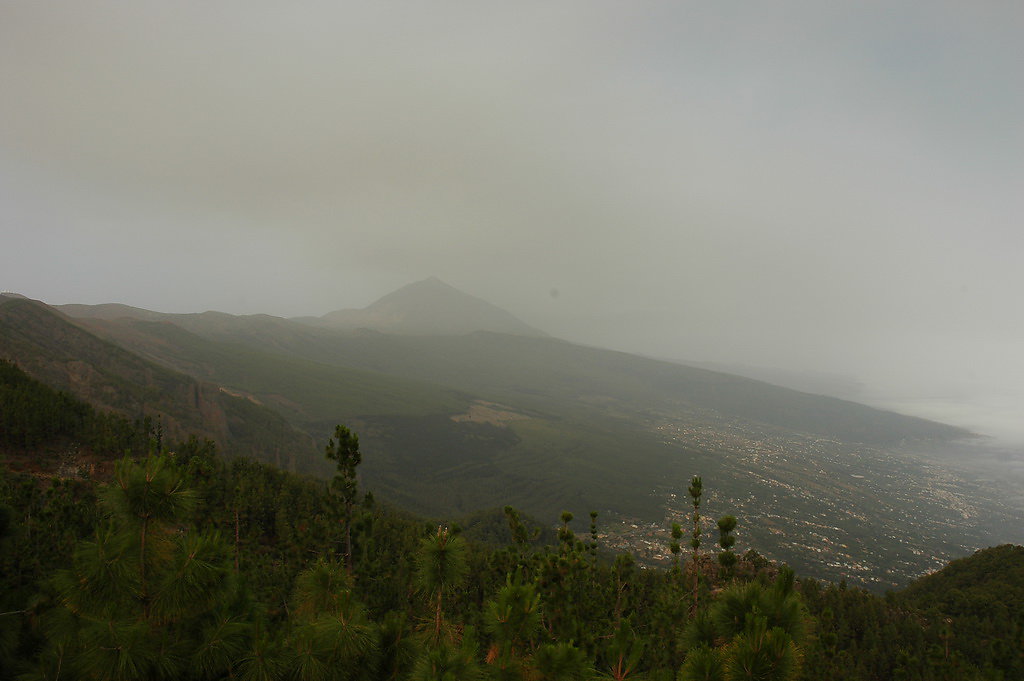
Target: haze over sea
(999, 417)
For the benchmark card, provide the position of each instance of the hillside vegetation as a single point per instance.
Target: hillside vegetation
(458, 422)
(46, 345)
(546, 372)
(239, 573)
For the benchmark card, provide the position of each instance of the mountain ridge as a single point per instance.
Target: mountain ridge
(490, 362)
(47, 345)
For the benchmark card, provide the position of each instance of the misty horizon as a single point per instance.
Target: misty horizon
(993, 419)
(814, 189)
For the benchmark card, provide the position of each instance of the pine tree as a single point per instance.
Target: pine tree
(515, 557)
(449, 661)
(343, 449)
(143, 600)
(440, 568)
(397, 651)
(333, 637)
(560, 662)
(676, 548)
(750, 632)
(624, 652)
(592, 545)
(695, 490)
(726, 540)
(565, 580)
(512, 619)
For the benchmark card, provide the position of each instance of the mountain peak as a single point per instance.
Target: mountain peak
(430, 307)
(429, 284)
(430, 289)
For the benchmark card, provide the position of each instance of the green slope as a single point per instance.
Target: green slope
(989, 582)
(417, 454)
(554, 374)
(308, 392)
(458, 423)
(982, 599)
(50, 348)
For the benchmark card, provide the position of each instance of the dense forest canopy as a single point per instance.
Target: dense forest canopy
(173, 562)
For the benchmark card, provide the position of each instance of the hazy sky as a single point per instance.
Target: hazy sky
(826, 186)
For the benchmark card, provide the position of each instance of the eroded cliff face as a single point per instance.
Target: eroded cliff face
(206, 402)
(184, 407)
(51, 348)
(86, 382)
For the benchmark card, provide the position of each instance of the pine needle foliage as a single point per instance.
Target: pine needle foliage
(703, 663)
(751, 632)
(761, 654)
(448, 661)
(154, 490)
(625, 651)
(397, 649)
(333, 635)
(513, 617)
(560, 662)
(142, 600)
(700, 632)
(441, 561)
(441, 567)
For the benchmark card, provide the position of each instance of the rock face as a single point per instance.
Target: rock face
(428, 308)
(51, 348)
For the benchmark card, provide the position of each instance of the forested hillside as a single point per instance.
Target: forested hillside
(455, 420)
(49, 347)
(530, 370)
(176, 563)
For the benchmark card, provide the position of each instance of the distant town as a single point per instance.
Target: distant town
(802, 501)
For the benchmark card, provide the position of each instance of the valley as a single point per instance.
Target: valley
(581, 341)
(453, 424)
